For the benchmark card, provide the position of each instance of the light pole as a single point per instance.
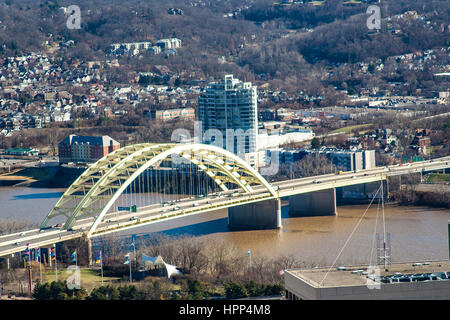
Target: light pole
(131, 278)
(56, 263)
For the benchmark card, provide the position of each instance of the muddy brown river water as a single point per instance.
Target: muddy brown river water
(417, 233)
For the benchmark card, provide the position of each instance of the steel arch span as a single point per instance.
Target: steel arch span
(109, 177)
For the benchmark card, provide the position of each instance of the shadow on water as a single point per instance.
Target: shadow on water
(285, 212)
(47, 195)
(195, 230)
(198, 229)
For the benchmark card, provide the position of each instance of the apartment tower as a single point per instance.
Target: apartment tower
(227, 111)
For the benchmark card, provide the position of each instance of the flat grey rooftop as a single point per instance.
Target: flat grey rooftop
(331, 277)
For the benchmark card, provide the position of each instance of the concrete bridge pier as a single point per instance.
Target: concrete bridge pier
(88, 243)
(361, 193)
(257, 215)
(45, 255)
(318, 203)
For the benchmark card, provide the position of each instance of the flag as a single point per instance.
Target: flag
(27, 250)
(52, 254)
(99, 258)
(127, 259)
(74, 255)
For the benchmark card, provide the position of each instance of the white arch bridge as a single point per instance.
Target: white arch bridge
(136, 186)
(128, 173)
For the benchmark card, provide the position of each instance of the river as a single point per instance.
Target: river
(417, 233)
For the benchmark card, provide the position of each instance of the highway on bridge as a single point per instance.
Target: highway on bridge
(118, 221)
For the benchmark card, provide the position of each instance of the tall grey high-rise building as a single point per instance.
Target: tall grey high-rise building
(228, 116)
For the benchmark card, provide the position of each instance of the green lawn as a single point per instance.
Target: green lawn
(89, 278)
(436, 177)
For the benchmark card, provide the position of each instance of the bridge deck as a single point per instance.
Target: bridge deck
(155, 213)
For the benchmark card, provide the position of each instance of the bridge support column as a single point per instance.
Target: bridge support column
(319, 203)
(258, 215)
(89, 249)
(361, 193)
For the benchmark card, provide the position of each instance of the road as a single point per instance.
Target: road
(118, 221)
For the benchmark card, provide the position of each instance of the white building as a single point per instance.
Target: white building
(169, 43)
(58, 116)
(227, 112)
(276, 139)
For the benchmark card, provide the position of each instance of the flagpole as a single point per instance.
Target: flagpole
(40, 265)
(56, 264)
(101, 264)
(30, 270)
(29, 255)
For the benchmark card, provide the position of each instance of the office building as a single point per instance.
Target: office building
(348, 160)
(345, 160)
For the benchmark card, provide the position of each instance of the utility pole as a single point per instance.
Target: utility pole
(30, 271)
(449, 239)
(30, 281)
(385, 257)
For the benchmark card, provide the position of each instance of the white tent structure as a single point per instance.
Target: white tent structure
(147, 262)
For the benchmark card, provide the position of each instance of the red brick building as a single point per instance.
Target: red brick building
(85, 148)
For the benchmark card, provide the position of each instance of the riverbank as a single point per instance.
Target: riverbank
(45, 177)
(432, 195)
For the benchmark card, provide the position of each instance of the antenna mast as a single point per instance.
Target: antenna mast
(385, 251)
